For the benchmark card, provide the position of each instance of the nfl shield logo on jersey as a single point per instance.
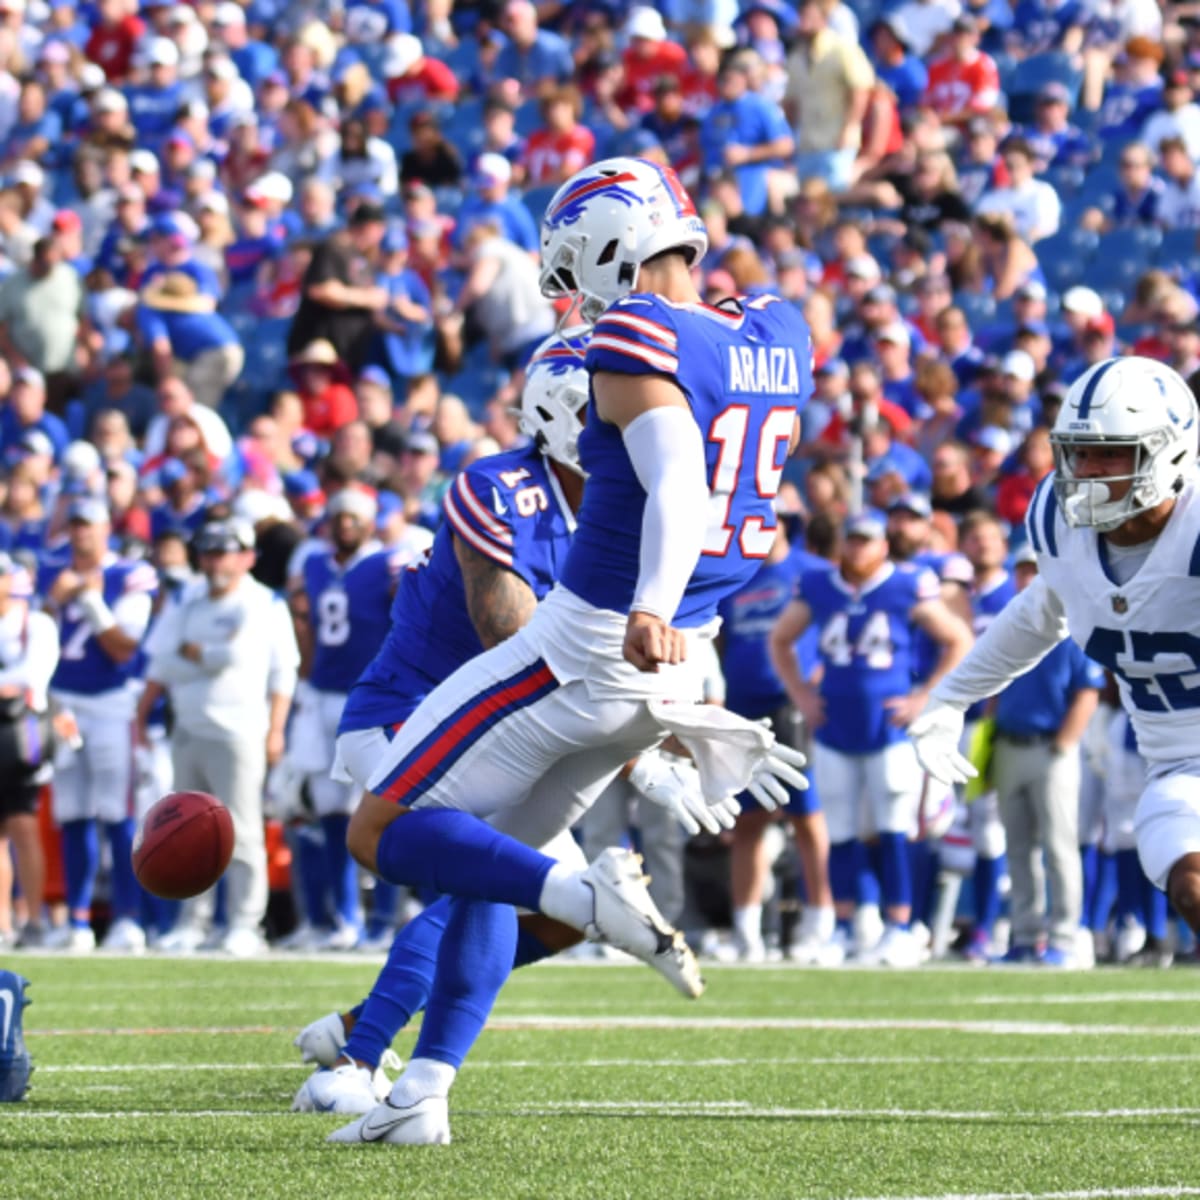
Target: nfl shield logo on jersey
(15, 1064)
(1120, 604)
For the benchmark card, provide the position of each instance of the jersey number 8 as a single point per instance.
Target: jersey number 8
(333, 618)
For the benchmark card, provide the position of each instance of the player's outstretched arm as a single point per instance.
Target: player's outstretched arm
(499, 602)
(666, 450)
(781, 645)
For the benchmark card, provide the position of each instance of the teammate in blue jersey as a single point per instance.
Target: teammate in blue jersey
(101, 604)
(869, 612)
(344, 620)
(533, 730)
(754, 689)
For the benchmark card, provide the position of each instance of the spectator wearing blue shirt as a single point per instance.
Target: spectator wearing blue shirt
(24, 413)
(744, 134)
(956, 345)
(185, 505)
(893, 348)
(895, 64)
(406, 323)
(1055, 142)
(1135, 93)
(370, 22)
(533, 57)
(1042, 25)
(1138, 197)
(255, 60)
(153, 105)
(187, 337)
(490, 200)
(38, 129)
(1040, 719)
(171, 238)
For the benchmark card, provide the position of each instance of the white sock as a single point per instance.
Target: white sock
(823, 921)
(566, 897)
(423, 1077)
(747, 923)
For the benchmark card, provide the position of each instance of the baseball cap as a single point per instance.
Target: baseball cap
(355, 502)
(833, 366)
(109, 100)
(1084, 301)
(1025, 556)
(492, 169)
(1104, 325)
(227, 14)
(401, 53)
(965, 23)
(881, 293)
(1055, 92)
(366, 213)
(376, 376)
(36, 442)
(995, 439)
(89, 510)
(1033, 290)
(421, 441)
(54, 52)
(646, 22)
(29, 173)
(216, 202)
(171, 472)
(863, 267)
(143, 162)
(867, 524)
(169, 225)
(8, 564)
(221, 67)
(91, 77)
(1019, 364)
(1035, 328)
(29, 375)
(913, 502)
(162, 52)
(274, 185)
(224, 537)
(389, 505)
(66, 220)
(302, 485)
(394, 240)
(895, 332)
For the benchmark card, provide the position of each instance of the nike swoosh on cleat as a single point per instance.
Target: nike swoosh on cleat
(379, 1131)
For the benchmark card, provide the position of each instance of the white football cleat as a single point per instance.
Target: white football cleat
(340, 937)
(624, 916)
(897, 948)
(74, 939)
(241, 942)
(183, 939)
(125, 935)
(321, 1042)
(345, 1089)
(304, 938)
(424, 1122)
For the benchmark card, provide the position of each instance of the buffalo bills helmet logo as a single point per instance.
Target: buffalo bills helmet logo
(574, 204)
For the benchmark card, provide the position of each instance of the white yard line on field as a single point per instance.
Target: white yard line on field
(1108, 1193)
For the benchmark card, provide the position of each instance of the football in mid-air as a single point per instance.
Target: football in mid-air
(183, 846)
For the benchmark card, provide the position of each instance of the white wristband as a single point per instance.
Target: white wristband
(96, 612)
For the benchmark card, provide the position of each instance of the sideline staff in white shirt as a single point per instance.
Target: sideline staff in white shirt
(226, 654)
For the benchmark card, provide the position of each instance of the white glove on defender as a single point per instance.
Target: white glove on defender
(936, 734)
(781, 766)
(673, 783)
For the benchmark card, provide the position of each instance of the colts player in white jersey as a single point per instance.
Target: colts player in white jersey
(1117, 535)
(538, 726)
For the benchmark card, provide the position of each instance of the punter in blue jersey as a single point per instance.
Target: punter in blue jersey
(754, 689)
(101, 604)
(343, 619)
(869, 612)
(534, 729)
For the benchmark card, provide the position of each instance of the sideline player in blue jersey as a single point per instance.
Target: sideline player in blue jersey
(754, 689)
(534, 729)
(869, 611)
(344, 622)
(102, 606)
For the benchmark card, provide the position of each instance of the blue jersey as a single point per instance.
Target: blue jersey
(867, 644)
(348, 610)
(752, 689)
(84, 667)
(948, 567)
(745, 373)
(508, 508)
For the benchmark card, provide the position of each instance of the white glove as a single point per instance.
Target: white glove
(778, 768)
(936, 734)
(674, 784)
(282, 794)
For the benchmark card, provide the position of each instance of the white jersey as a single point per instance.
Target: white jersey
(1146, 631)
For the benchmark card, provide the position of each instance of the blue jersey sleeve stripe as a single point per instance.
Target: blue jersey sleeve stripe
(476, 540)
(474, 508)
(640, 325)
(1030, 522)
(1194, 563)
(1049, 509)
(660, 360)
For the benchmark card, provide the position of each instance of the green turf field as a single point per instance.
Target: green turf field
(173, 1079)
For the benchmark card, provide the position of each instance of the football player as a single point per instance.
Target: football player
(345, 622)
(529, 733)
(101, 604)
(1116, 530)
(868, 612)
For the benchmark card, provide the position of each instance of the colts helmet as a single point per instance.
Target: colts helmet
(1136, 402)
(555, 395)
(607, 220)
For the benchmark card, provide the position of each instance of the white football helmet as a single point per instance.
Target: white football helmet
(555, 395)
(1136, 402)
(607, 220)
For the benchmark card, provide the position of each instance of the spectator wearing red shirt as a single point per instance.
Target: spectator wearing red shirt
(413, 77)
(320, 382)
(649, 56)
(115, 38)
(1015, 490)
(964, 83)
(562, 146)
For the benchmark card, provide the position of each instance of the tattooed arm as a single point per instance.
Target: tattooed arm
(498, 601)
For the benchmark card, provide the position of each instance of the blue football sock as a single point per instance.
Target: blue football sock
(1106, 891)
(401, 988)
(894, 869)
(126, 892)
(868, 873)
(458, 855)
(385, 900)
(922, 865)
(530, 949)
(341, 871)
(843, 871)
(1129, 886)
(1089, 857)
(81, 861)
(475, 959)
(308, 866)
(1155, 909)
(986, 890)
